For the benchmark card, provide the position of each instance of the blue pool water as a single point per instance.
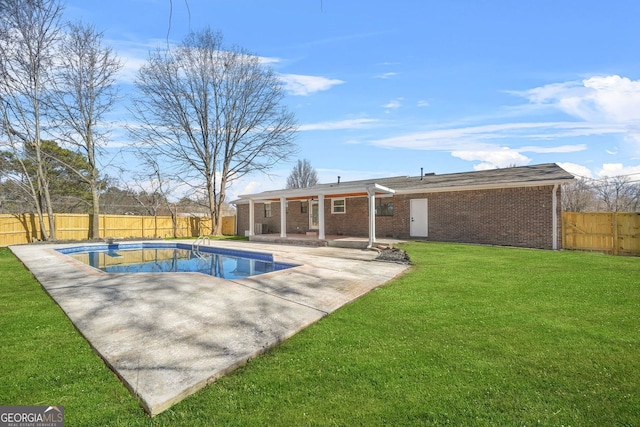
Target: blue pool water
(175, 257)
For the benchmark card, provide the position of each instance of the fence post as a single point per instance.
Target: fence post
(616, 244)
(564, 230)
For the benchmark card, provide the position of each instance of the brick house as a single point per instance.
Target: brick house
(518, 206)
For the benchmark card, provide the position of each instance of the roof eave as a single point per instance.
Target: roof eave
(334, 190)
(346, 189)
(485, 186)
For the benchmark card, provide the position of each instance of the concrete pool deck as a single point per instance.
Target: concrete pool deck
(167, 335)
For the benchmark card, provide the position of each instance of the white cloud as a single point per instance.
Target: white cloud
(133, 55)
(617, 169)
(558, 149)
(606, 170)
(268, 60)
(257, 183)
(494, 158)
(632, 141)
(599, 105)
(130, 67)
(484, 166)
(394, 104)
(618, 98)
(596, 99)
(243, 186)
(609, 101)
(477, 143)
(302, 85)
(458, 138)
(339, 125)
(422, 103)
(575, 169)
(386, 75)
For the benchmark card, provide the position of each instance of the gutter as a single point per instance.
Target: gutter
(417, 190)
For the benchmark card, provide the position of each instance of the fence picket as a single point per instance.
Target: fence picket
(17, 229)
(616, 233)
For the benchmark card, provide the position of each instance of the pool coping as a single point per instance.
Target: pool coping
(167, 335)
(197, 252)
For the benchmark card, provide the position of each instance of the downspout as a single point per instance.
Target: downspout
(554, 226)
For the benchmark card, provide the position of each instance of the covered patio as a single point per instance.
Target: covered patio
(318, 196)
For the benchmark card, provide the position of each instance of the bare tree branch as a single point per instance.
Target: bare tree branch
(214, 113)
(83, 93)
(618, 194)
(303, 175)
(578, 196)
(29, 31)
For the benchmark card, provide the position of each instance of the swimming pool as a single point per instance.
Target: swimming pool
(175, 258)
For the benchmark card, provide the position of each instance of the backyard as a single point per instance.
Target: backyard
(471, 335)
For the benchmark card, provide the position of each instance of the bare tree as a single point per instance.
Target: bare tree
(14, 168)
(579, 196)
(303, 175)
(213, 113)
(155, 188)
(83, 93)
(29, 31)
(618, 194)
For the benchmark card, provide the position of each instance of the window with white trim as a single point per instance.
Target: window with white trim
(267, 210)
(338, 206)
(384, 207)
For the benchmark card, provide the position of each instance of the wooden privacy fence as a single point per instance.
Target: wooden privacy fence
(24, 228)
(607, 232)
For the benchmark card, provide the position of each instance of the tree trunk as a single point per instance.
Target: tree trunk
(43, 183)
(43, 229)
(216, 217)
(95, 218)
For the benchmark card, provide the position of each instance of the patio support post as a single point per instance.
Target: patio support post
(251, 220)
(372, 217)
(321, 235)
(283, 217)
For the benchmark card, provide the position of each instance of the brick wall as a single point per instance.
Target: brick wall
(510, 217)
(297, 220)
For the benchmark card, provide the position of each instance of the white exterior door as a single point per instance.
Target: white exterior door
(419, 221)
(314, 215)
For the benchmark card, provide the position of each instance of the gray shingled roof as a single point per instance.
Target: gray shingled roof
(546, 173)
(508, 176)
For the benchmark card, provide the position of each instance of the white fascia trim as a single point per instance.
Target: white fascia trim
(381, 188)
(302, 192)
(309, 192)
(483, 187)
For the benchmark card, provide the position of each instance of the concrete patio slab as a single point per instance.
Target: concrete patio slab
(167, 335)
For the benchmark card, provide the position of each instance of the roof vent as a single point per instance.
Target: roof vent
(338, 179)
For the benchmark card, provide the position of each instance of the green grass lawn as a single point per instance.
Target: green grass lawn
(472, 335)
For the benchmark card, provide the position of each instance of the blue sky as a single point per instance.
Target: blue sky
(383, 88)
